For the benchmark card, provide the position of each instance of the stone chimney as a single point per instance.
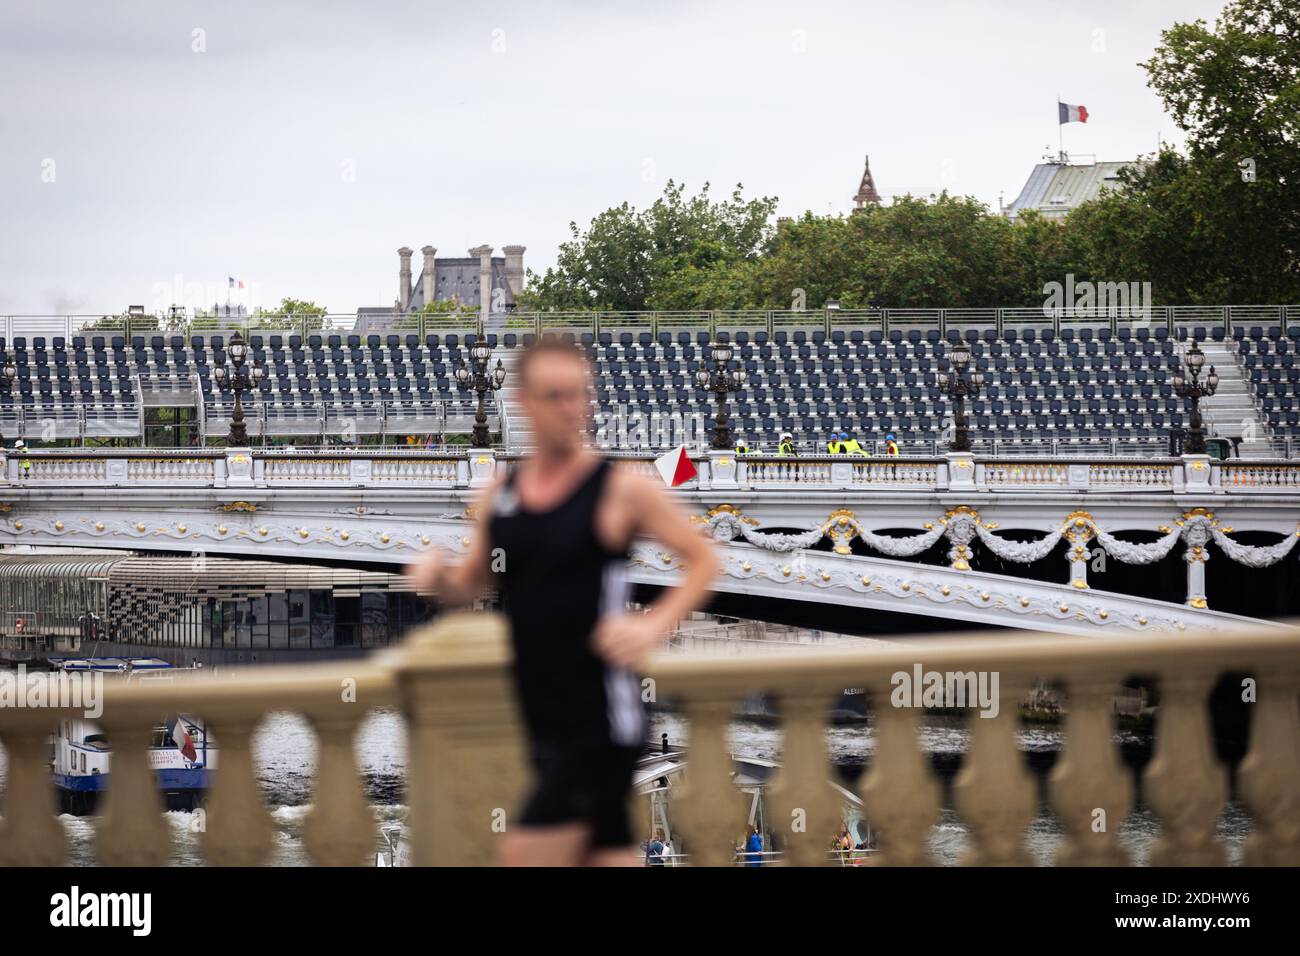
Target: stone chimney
(484, 254)
(515, 268)
(404, 279)
(427, 275)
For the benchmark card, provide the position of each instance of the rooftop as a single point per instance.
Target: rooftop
(1055, 188)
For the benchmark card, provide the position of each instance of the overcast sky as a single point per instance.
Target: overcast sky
(151, 149)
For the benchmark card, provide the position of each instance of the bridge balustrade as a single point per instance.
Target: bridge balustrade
(466, 769)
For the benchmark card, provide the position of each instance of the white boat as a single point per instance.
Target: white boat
(181, 752)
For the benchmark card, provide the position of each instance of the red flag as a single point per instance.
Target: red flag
(676, 467)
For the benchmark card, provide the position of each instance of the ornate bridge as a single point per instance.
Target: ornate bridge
(774, 518)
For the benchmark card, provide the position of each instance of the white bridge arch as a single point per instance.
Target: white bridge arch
(385, 506)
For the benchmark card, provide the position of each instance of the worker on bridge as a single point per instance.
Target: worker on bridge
(850, 446)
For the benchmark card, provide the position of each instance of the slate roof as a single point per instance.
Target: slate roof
(1056, 188)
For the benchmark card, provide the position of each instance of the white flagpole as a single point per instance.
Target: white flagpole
(1060, 132)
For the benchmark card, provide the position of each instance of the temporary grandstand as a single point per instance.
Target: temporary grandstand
(1079, 383)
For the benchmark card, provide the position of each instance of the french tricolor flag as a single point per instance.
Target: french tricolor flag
(184, 742)
(1070, 113)
(676, 467)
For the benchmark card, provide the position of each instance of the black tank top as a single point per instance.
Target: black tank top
(558, 580)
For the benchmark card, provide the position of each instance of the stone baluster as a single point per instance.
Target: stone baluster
(708, 810)
(467, 763)
(340, 828)
(30, 833)
(1184, 783)
(994, 792)
(1270, 774)
(900, 791)
(237, 828)
(805, 809)
(132, 830)
(1089, 786)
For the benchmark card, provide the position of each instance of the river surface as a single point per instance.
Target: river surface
(286, 749)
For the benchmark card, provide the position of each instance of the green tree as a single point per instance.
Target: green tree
(941, 252)
(630, 260)
(299, 310)
(1195, 225)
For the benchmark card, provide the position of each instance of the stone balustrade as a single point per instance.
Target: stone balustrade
(717, 471)
(466, 768)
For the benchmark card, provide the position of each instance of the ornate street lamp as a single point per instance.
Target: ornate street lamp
(482, 382)
(239, 380)
(1190, 387)
(721, 379)
(957, 383)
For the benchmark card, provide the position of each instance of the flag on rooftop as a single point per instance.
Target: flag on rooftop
(1071, 113)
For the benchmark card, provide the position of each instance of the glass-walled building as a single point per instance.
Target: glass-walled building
(209, 608)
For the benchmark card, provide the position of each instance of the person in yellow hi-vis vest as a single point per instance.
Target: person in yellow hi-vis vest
(786, 448)
(891, 446)
(850, 446)
(833, 446)
(24, 463)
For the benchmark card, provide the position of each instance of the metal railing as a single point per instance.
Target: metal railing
(1172, 318)
(451, 684)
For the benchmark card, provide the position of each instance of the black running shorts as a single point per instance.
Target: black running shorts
(583, 784)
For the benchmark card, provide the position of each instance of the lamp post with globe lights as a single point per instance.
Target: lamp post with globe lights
(721, 379)
(1190, 388)
(482, 381)
(957, 383)
(238, 379)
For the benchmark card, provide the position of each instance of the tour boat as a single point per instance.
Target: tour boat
(181, 752)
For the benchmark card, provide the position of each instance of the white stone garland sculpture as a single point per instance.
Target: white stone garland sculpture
(726, 525)
(1253, 556)
(1022, 552)
(962, 525)
(783, 542)
(902, 547)
(1130, 552)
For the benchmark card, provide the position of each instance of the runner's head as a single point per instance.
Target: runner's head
(555, 392)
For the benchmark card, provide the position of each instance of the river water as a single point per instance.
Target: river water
(285, 760)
